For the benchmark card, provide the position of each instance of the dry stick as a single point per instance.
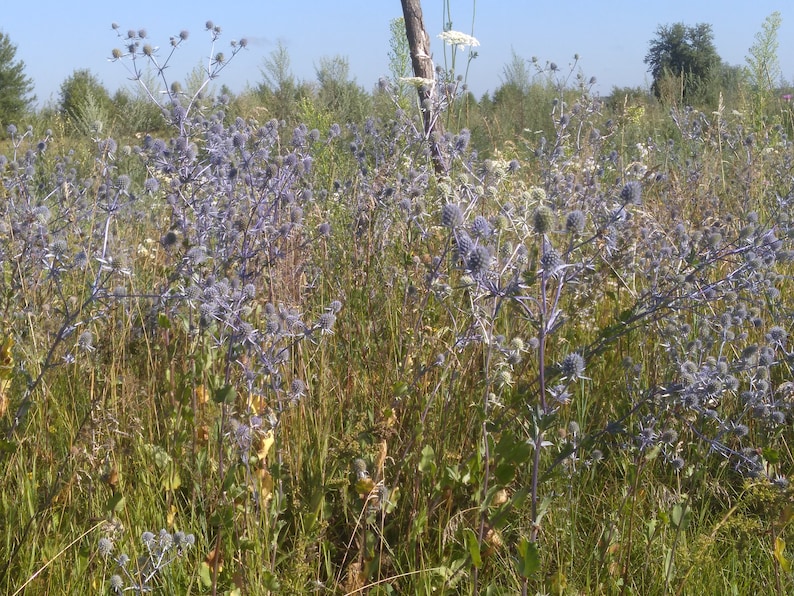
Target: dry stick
(422, 63)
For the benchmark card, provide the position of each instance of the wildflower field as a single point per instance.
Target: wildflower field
(242, 354)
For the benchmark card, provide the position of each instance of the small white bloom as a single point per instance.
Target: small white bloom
(456, 38)
(418, 81)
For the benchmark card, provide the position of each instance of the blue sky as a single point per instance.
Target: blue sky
(54, 38)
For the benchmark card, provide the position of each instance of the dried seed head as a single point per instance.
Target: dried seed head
(543, 219)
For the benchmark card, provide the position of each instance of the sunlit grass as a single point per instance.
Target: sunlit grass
(405, 462)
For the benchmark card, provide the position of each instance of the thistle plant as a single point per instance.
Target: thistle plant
(238, 199)
(139, 576)
(519, 271)
(138, 54)
(344, 367)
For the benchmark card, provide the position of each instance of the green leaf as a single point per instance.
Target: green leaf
(626, 315)
(771, 455)
(474, 547)
(116, 503)
(669, 563)
(163, 321)
(270, 581)
(172, 480)
(223, 517)
(529, 558)
(205, 574)
(7, 446)
(679, 517)
(543, 509)
(499, 517)
(400, 389)
(504, 473)
(652, 454)
(428, 462)
(224, 394)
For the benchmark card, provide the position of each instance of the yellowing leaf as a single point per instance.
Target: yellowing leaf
(202, 395)
(6, 358)
(172, 481)
(263, 444)
(257, 402)
(364, 486)
(3, 398)
(6, 371)
(171, 516)
(780, 547)
(265, 484)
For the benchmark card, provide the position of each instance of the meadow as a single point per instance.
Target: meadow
(246, 354)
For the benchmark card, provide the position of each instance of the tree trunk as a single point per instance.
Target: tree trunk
(422, 63)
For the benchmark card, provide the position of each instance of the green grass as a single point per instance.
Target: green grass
(134, 436)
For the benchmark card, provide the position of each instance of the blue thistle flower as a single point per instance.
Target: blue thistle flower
(572, 366)
(550, 262)
(463, 246)
(631, 193)
(462, 140)
(326, 323)
(575, 222)
(481, 227)
(238, 140)
(86, 341)
(104, 547)
(80, 260)
(151, 185)
(297, 388)
(543, 219)
(479, 260)
(669, 436)
(451, 216)
(777, 335)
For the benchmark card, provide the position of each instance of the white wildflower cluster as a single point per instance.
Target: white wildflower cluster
(418, 82)
(457, 38)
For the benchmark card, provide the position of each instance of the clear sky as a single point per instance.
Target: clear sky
(54, 37)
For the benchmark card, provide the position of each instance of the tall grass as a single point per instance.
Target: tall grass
(251, 357)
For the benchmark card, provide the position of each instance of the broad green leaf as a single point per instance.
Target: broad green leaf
(428, 462)
(116, 503)
(473, 546)
(224, 394)
(528, 558)
(205, 574)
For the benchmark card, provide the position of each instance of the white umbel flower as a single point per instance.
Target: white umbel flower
(456, 38)
(418, 81)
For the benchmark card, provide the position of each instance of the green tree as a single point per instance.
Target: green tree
(338, 93)
(15, 87)
(763, 67)
(279, 90)
(684, 63)
(399, 58)
(516, 73)
(85, 102)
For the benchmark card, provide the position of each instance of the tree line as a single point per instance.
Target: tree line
(683, 62)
